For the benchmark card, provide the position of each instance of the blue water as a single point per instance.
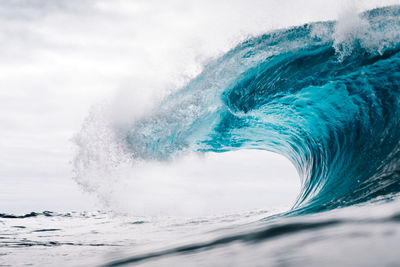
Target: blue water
(326, 95)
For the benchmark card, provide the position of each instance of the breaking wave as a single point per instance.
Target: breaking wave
(326, 95)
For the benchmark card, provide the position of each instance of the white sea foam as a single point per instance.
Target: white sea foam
(353, 30)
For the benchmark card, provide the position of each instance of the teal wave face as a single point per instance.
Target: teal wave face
(325, 95)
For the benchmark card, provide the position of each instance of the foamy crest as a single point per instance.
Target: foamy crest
(350, 30)
(99, 155)
(353, 30)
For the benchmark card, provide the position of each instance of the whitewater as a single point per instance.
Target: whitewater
(325, 95)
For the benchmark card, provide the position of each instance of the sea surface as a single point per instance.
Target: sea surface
(360, 235)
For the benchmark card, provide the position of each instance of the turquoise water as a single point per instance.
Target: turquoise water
(325, 95)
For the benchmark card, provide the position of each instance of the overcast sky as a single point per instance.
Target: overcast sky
(58, 58)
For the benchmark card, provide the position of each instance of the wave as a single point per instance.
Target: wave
(27, 215)
(47, 213)
(325, 95)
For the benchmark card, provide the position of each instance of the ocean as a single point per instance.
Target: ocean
(325, 95)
